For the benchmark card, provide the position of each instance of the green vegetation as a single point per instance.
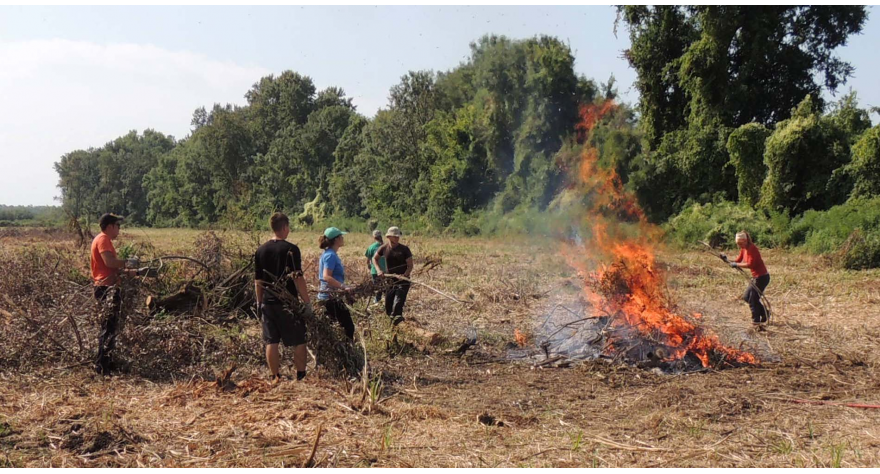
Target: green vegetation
(729, 112)
(850, 232)
(13, 216)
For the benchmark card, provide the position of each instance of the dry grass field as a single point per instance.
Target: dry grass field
(429, 406)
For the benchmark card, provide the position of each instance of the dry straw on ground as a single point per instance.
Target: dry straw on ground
(435, 406)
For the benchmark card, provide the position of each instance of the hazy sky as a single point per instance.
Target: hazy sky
(78, 77)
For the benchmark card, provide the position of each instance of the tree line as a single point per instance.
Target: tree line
(730, 109)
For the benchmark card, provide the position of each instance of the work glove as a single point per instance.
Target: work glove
(132, 263)
(260, 311)
(733, 265)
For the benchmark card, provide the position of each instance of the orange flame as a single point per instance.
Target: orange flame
(631, 289)
(520, 337)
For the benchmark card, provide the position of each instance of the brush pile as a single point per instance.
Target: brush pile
(194, 317)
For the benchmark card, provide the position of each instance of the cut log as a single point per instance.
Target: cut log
(428, 338)
(185, 300)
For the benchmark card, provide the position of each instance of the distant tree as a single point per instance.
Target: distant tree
(276, 103)
(801, 156)
(351, 176)
(739, 64)
(79, 182)
(746, 148)
(865, 166)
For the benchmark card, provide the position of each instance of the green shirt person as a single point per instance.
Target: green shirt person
(371, 250)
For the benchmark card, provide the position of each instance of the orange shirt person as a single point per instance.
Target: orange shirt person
(106, 268)
(750, 257)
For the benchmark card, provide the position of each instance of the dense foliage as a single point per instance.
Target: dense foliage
(729, 111)
(11, 216)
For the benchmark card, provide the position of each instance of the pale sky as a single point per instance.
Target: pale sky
(78, 77)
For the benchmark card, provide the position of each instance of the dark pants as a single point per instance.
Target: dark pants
(336, 310)
(110, 305)
(395, 298)
(376, 281)
(753, 298)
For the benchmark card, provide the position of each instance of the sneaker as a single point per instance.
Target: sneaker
(395, 320)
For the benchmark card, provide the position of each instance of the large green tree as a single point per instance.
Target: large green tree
(110, 178)
(737, 64)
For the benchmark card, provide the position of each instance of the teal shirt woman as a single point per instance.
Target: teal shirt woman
(371, 250)
(331, 274)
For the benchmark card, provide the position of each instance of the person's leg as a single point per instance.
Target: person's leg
(109, 304)
(114, 323)
(389, 299)
(402, 291)
(273, 358)
(343, 315)
(754, 300)
(293, 334)
(299, 359)
(376, 283)
(271, 337)
(761, 282)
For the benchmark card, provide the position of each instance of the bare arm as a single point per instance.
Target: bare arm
(409, 267)
(258, 291)
(112, 261)
(376, 265)
(331, 282)
(301, 289)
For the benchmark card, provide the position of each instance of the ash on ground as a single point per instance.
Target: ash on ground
(566, 336)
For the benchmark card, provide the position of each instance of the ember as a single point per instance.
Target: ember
(622, 284)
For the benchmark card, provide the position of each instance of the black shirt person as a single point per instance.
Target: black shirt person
(398, 261)
(279, 263)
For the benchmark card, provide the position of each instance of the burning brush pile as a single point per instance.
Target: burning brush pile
(628, 315)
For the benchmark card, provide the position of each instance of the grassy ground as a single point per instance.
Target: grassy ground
(426, 405)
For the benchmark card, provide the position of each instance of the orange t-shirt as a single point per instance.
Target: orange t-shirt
(751, 256)
(101, 273)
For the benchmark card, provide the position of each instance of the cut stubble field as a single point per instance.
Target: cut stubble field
(431, 406)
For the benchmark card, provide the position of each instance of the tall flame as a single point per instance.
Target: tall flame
(618, 264)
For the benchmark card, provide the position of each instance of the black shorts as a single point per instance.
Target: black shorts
(281, 325)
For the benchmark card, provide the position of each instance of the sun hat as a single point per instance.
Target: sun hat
(333, 232)
(393, 231)
(377, 234)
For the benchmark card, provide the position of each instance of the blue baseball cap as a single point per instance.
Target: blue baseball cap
(333, 232)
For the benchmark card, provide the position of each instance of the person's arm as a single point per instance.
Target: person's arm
(298, 281)
(258, 292)
(116, 263)
(376, 256)
(112, 261)
(331, 282)
(258, 283)
(301, 289)
(409, 267)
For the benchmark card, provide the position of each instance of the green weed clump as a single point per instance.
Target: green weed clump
(848, 233)
(823, 232)
(718, 223)
(861, 251)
